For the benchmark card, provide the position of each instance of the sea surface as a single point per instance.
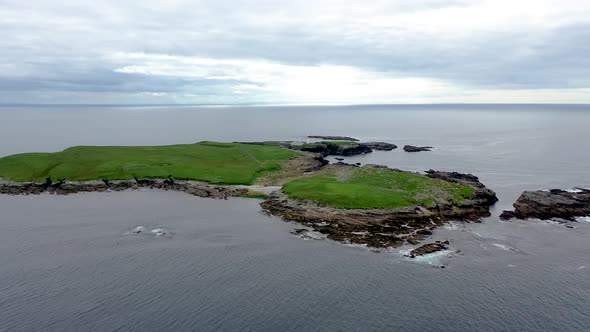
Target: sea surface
(72, 263)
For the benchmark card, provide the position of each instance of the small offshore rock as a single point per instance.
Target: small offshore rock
(428, 248)
(411, 148)
(507, 215)
(381, 146)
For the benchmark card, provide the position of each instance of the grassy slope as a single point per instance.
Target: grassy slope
(376, 188)
(227, 163)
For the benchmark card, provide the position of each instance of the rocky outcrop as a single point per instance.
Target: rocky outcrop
(380, 146)
(332, 149)
(201, 189)
(349, 150)
(384, 227)
(482, 192)
(429, 248)
(551, 204)
(334, 138)
(411, 148)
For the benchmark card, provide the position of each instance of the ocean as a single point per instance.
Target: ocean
(69, 263)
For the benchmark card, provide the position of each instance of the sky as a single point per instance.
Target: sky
(294, 52)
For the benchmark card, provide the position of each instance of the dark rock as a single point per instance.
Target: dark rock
(507, 215)
(452, 176)
(428, 248)
(299, 231)
(315, 148)
(411, 148)
(482, 192)
(333, 149)
(63, 187)
(349, 150)
(382, 146)
(340, 163)
(334, 138)
(340, 159)
(551, 204)
(424, 232)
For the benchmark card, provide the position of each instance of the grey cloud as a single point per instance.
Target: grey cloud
(48, 47)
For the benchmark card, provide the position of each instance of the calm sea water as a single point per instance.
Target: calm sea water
(68, 263)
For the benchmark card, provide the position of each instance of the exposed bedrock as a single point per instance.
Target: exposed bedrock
(411, 148)
(200, 189)
(384, 227)
(551, 204)
(329, 149)
(429, 248)
(381, 146)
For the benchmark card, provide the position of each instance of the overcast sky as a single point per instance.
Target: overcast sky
(294, 52)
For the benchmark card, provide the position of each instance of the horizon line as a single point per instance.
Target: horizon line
(272, 104)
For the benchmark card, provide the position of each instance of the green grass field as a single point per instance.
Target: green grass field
(376, 188)
(219, 163)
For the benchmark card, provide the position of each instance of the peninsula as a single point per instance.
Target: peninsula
(372, 205)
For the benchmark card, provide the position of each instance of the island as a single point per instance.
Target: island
(370, 205)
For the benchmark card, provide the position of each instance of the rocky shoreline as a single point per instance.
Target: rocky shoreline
(384, 227)
(200, 189)
(374, 227)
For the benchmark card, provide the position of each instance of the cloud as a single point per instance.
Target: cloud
(276, 82)
(263, 51)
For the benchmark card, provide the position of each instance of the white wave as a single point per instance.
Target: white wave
(434, 259)
(159, 231)
(574, 190)
(357, 245)
(310, 235)
(583, 219)
(137, 230)
(451, 226)
(504, 247)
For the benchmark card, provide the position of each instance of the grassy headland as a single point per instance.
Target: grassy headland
(237, 163)
(218, 163)
(376, 188)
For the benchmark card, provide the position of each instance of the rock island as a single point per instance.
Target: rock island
(372, 205)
